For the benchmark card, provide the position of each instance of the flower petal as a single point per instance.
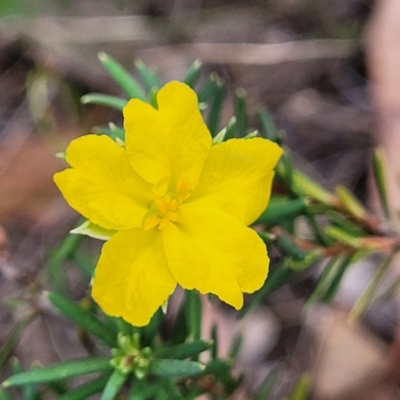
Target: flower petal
(168, 146)
(237, 178)
(102, 185)
(215, 253)
(132, 279)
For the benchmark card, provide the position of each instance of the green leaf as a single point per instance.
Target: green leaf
(114, 385)
(143, 390)
(215, 106)
(267, 387)
(5, 395)
(268, 128)
(177, 368)
(83, 318)
(64, 370)
(282, 209)
(184, 350)
(369, 292)
(350, 202)
(148, 76)
(279, 277)
(57, 256)
(193, 73)
(193, 313)
(13, 337)
(240, 112)
(115, 132)
(124, 79)
(86, 390)
(104, 100)
(225, 133)
(215, 341)
(379, 170)
(337, 278)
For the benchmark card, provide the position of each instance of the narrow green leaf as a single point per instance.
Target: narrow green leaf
(302, 389)
(343, 223)
(64, 370)
(379, 171)
(289, 247)
(303, 185)
(86, 390)
(180, 329)
(267, 387)
(324, 281)
(143, 390)
(281, 276)
(215, 107)
(337, 278)
(350, 202)
(209, 88)
(226, 133)
(184, 350)
(240, 112)
(193, 73)
(114, 385)
(84, 263)
(124, 79)
(28, 392)
(177, 368)
(83, 318)
(104, 100)
(115, 132)
(5, 395)
(218, 368)
(281, 209)
(342, 236)
(193, 313)
(267, 126)
(368, 294)
(148, 76)
(13, 337)
(215, 341)
(235, 347)
(57, 257)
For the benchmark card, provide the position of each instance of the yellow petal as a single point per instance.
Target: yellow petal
(168, 146)
(132, 279)
(237, 178)
(215, 253)
(102, 185)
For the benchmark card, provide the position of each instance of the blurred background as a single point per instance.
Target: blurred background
(327, 70)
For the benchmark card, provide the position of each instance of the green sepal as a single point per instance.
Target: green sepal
(124, 79)
(64, 370)
(176, 368)
(104, 100)
(95, 231)
(83, 318)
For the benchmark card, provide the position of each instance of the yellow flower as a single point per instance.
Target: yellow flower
(180, 207)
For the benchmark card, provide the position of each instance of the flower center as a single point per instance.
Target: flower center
(164, 209)
(161, 213)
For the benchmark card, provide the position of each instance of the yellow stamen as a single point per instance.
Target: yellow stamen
(151, 222)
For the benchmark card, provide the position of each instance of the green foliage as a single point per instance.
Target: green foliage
(161, 360)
